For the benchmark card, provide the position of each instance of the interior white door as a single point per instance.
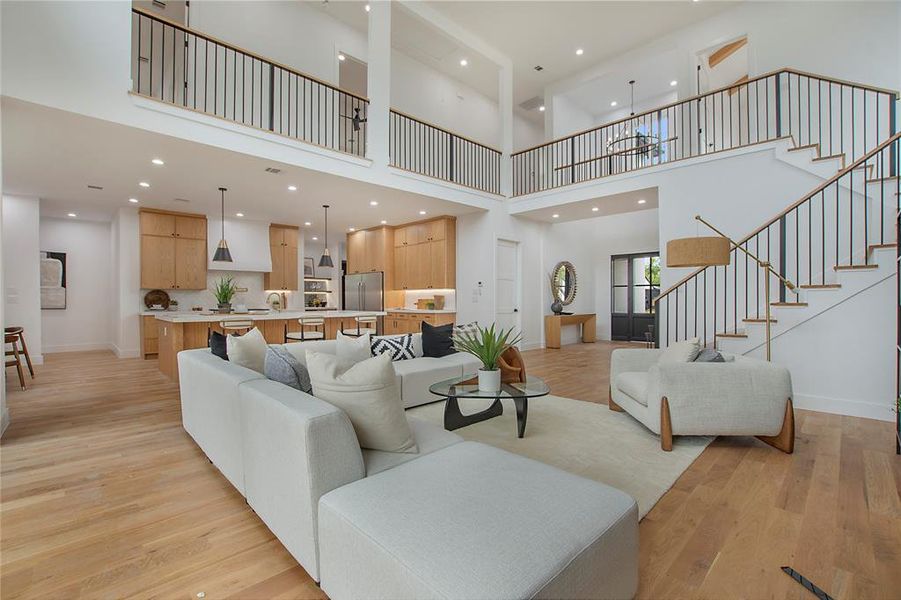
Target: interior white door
(507, 284)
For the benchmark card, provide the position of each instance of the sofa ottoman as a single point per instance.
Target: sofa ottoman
(474, 521)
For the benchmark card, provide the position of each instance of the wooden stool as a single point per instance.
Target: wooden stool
(13, 340)
(318, 333)
(20, 332)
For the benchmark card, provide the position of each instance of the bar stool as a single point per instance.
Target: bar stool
(318, 333)
(365, 324)
(20, 332)
(13, 340)
(236, 326)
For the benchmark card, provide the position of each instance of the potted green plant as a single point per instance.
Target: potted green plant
(487, 344)
(224, 291)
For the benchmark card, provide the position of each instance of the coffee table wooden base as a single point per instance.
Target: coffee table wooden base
(455, 419)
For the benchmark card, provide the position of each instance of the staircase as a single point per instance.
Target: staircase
(834, 243)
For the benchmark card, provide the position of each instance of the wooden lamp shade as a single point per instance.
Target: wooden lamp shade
(698, 252)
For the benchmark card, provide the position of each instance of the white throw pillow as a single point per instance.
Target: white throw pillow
(367, 391)
(248, 350)
(354, 349)
(680, 352)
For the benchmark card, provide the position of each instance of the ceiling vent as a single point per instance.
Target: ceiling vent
(532, 103)
(273, 170)
(159, 4)
(538, 68)
(185, 200)
(95, 187)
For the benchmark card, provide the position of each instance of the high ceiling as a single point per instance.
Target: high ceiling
(549, 33)
(55, 155)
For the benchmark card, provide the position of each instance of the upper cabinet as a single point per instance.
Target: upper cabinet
(372, 250)
(425, 255)
(173, 250)
(283, 248)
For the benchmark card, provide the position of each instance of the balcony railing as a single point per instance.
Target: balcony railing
(429, 150)
(186, 68)
(841, 117)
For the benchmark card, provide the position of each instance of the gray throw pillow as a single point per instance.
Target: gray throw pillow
(281, 366)
(709, 355)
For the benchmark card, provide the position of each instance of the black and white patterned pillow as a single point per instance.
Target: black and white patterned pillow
(400, 347)
(467, 329)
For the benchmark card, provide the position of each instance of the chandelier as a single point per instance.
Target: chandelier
(629, 140)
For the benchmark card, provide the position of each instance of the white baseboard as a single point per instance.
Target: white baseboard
(531, 345)
(120, 353)
(842, 406)
(87, 347)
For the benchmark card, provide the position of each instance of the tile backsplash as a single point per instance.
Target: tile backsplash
(254, 297)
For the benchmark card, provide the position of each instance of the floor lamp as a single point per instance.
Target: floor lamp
(714, 251)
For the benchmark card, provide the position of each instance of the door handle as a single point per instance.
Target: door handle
(515, 310)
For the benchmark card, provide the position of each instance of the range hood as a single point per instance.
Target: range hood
(248, 241)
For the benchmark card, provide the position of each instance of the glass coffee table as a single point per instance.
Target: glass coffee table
(456, 388)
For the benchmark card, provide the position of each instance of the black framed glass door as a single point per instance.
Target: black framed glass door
(634, 284)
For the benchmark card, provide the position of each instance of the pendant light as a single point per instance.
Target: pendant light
(326, 260)
(223, 254)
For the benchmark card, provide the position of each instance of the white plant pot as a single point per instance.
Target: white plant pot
(489, 381)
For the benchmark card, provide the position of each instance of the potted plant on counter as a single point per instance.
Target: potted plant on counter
(224, 291)
(487, 344)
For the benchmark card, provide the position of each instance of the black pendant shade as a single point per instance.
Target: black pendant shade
(223, 254)
(326, 260)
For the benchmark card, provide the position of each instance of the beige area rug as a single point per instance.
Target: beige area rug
(584, 438)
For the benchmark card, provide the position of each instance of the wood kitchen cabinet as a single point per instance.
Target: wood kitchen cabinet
(173, 250)
(150, 336)
(425, 255)
(404, 322)
(371, 251)
(283, 243)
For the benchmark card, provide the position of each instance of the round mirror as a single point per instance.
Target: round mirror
(564, 282)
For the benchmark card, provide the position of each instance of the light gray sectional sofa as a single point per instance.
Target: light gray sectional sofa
(457, 520)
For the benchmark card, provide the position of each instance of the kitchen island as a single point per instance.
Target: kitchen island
(179, 331)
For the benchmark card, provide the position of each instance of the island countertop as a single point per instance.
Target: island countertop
(211, 317)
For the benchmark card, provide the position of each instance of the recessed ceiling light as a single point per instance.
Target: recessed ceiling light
(373, 203)
(158, 161)
(307, 223)
(292, 188)
(595, 209)
(463, 62)
(367, 8)
(642, 201)
(351, 229)
(555, 215)
(133, 200)
(422, 212)
(143, 184)
(341, 57)
(541, 108)
(239, 214)
(315, 238)
(673, 83)
(384, 222)
(579, 52)
(72, 215)
(613, 103)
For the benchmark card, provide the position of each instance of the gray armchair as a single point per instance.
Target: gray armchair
(742, 397)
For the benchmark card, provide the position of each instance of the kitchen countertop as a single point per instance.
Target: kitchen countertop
(200, 317)
(434, 311)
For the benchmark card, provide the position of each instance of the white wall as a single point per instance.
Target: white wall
(21, 270)
(126, 282)
(588, 244)
(85, 324)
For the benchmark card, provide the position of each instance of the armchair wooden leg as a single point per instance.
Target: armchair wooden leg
(785, 439)
(610, 403)
(666, 426)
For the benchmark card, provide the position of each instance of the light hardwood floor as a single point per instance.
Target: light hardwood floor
(103, 495)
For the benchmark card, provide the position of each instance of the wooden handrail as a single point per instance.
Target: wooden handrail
(447, 131)
(793, 206)
(244, 51)
(697, 97)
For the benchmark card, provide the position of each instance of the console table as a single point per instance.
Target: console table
(554, 323)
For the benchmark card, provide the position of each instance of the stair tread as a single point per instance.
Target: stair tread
(759, 320)
(878, 246)
(830, 156)
(726, 334)
(879, 179)
(854, 267)
(820, 286)
(788, 304)
(804, 147)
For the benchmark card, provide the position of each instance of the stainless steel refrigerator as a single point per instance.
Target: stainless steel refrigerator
(364, 291)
